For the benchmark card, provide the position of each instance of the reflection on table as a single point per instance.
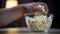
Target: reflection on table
(25, 30)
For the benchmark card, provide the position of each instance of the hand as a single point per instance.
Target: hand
(35, 7)
(31, 9)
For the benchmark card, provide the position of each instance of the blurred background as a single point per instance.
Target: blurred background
(52, 5)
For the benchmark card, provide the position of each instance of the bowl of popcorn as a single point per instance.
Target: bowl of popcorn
(41, 22)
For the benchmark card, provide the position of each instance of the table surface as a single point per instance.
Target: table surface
(25, 30)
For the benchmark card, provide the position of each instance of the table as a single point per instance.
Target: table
(25, 30)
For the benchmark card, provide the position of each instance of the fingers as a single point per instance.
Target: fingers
(40, 3)
(31, 9)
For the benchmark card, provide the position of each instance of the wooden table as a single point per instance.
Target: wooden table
(26, 31)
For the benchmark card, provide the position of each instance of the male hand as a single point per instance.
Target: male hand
(30, 7)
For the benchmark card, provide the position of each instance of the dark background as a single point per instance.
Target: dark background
(52, 5)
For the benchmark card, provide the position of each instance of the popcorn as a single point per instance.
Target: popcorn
(39, 23)
(42, 7)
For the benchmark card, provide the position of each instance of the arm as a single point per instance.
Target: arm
(11, 14)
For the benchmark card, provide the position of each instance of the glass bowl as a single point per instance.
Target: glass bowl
(39, 23)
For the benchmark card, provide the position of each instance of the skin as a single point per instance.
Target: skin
(8, 15)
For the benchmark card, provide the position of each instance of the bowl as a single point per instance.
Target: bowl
(39, 23)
